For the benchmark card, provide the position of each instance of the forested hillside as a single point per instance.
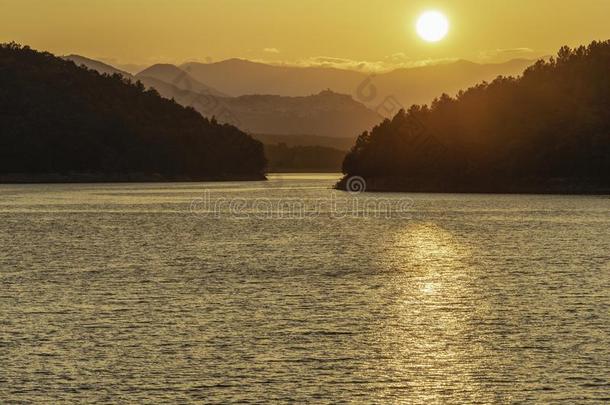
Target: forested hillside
(57, 118)
(547, 131)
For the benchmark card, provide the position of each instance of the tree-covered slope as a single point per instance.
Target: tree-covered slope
(546, 131)
(56, 117)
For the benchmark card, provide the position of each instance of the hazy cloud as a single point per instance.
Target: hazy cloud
(132, 68)
(389, 63)
(399, 60)
(502, 55)
(207, 59)
(340, 63)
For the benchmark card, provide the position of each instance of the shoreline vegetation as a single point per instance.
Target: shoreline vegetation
(83, 178)
(545, 132)
(563, 186)
(303, 159)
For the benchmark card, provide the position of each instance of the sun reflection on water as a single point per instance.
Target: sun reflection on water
(431, 314)
(429, 288)
(427, 245)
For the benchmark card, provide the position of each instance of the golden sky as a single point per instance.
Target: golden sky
(305, 31)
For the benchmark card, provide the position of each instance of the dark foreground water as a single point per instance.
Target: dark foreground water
(287, 290)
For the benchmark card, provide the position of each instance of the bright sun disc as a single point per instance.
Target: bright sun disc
(432, 26)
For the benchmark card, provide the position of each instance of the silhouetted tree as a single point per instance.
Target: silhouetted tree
(303, 158)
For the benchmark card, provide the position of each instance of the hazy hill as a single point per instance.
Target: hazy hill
(238, 77)
(61, 120)
(547, 131)
(177, 77)
(326, 114)
(299, 159)
(96, 65)
(421, 85)
(342, 144)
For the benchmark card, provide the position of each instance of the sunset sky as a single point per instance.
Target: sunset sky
(342, 32)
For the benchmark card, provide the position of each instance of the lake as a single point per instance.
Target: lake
(287, 290)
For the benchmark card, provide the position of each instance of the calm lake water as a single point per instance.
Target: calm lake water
(289, 291)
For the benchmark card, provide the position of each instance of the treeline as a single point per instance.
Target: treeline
(56, 117)
(316, 159)
(548, 130)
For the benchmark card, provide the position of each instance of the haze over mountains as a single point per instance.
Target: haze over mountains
(409, 85)
(281, 100)
(325, 114)
(171, 74)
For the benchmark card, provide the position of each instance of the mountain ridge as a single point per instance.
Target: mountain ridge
(407, 85)
(326, 114)
(172, 74)
(99, 66)
(238, 77)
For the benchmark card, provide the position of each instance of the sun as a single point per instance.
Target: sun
(432, 26)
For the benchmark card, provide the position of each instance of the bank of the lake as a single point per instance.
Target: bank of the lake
(487, 186)
(53, 178)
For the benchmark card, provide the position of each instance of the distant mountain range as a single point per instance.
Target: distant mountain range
(326, 114)
(408, 86)
(238, 77)
(282, 100)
